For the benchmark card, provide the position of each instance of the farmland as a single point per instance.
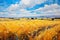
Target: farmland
(28, 29)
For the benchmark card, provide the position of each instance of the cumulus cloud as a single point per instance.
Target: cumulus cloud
(19, 10)
(53, 9)
(25, 4)
(31, 3)
(18, 13)
(14, 11)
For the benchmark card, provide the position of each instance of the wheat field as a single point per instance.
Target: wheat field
(28, 29)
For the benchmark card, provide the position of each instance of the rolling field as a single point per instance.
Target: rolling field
(28, 29)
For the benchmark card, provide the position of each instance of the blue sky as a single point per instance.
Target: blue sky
(22, 8)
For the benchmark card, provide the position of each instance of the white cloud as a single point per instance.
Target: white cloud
(53, 9)
(13, 7)
(18, 10)
(31, 3)
(25, 4)
(18, 13)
